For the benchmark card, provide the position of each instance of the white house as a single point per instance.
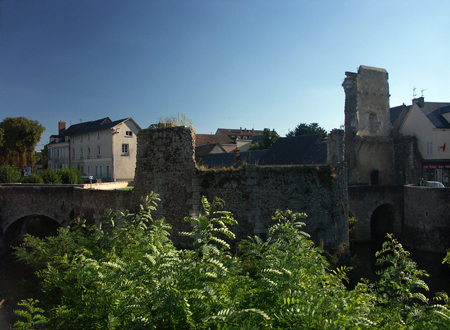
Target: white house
(103, 148)
(429, 122)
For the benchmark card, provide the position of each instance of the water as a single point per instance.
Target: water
(438, 280)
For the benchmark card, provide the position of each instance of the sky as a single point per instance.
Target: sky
(222, 63)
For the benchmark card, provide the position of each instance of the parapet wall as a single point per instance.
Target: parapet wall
(165, 164)
(427, 219)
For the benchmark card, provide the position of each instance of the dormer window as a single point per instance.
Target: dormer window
(129, 133)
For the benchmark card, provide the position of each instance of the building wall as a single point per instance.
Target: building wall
(417, 124)
(124, 159)
(94, 164)
(166, 165)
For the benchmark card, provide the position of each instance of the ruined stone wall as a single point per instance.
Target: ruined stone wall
(367, 125)
(255, 193)
(427, 219)
(408, 161)
(165, 164)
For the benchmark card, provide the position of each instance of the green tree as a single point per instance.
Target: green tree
(20, 136)
(268, 139)
(9, 174)
(306, 129)
(44, 155)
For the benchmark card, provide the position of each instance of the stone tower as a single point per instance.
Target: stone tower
(369, 147)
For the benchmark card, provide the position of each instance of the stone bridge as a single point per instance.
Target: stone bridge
(55, 205)
(418, 216)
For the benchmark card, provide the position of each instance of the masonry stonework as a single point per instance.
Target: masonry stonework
(166, 165)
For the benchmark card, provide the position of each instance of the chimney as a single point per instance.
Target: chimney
(237, 155)
(419, 101)
(61, 127)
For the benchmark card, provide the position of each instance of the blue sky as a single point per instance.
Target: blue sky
(222, 63)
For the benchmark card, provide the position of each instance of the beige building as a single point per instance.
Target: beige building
(429, 122)
(103, 148)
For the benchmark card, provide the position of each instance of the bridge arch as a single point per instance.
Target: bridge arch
(34, 224)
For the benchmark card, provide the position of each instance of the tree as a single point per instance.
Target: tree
(268, 139)
(305, 129)
(20, 136)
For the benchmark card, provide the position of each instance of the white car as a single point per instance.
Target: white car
(434, 184)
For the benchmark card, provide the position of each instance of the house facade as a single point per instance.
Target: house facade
(103, 148)
(429, 122)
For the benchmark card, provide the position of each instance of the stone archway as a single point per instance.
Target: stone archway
(36, 225)
(382, 222)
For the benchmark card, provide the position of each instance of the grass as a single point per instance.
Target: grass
(126, 188)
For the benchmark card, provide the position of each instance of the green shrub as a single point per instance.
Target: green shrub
(33, 178)
(70, 176)
(50, 176)
(127, 274)
(9, 174)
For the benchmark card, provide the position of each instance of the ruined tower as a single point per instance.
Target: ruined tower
(368, 142)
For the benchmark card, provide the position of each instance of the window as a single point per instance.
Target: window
(429, 148)
(73, 153)
(98, 135)
(81, 138)
(101, 171)
(81, 169)
(89, 137)
(98, 151)
(129, 133)
(96, 170)
(124, 149)
(89, 170)
(81, 153)
(107, 171)
(89, 152)
(50, 153)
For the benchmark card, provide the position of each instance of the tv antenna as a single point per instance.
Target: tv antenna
(421, 92)
(414, 92)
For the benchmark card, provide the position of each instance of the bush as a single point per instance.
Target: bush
(50, 176)
(33, 178)
(127, 274)
(9, 174)
(70, 176)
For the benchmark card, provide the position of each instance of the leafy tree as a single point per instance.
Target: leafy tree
(70, 176)
(50, 176)
(20, 136)
(44, 155)
(33, 178)
(9, 174)
(307, 129)
(127, 274)
(268, 139)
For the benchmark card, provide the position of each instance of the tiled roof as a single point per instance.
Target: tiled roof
(227, 159)
(303, 149)
(100, 126)
(211, 138)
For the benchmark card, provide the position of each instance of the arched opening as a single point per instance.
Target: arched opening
(36, 225)
(381, 223)
(374, 177)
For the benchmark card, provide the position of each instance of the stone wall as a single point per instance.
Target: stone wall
(166, 165)
(427, 219)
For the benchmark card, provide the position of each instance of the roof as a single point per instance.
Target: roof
(227, 159)
(202, 150)
(434, 111)
(211, 138)
(395, 111)
(239, 131)
(296, 150)
(95, 126)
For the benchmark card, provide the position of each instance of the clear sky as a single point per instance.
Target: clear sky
(222, 63)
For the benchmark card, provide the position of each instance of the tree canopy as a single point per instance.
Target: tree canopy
(20, 137)
(306, 129)
(268, 139)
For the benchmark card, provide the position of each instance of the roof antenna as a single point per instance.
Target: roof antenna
(423, 90)
(414, 92)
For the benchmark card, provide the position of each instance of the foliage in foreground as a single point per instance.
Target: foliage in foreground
(127, 274)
